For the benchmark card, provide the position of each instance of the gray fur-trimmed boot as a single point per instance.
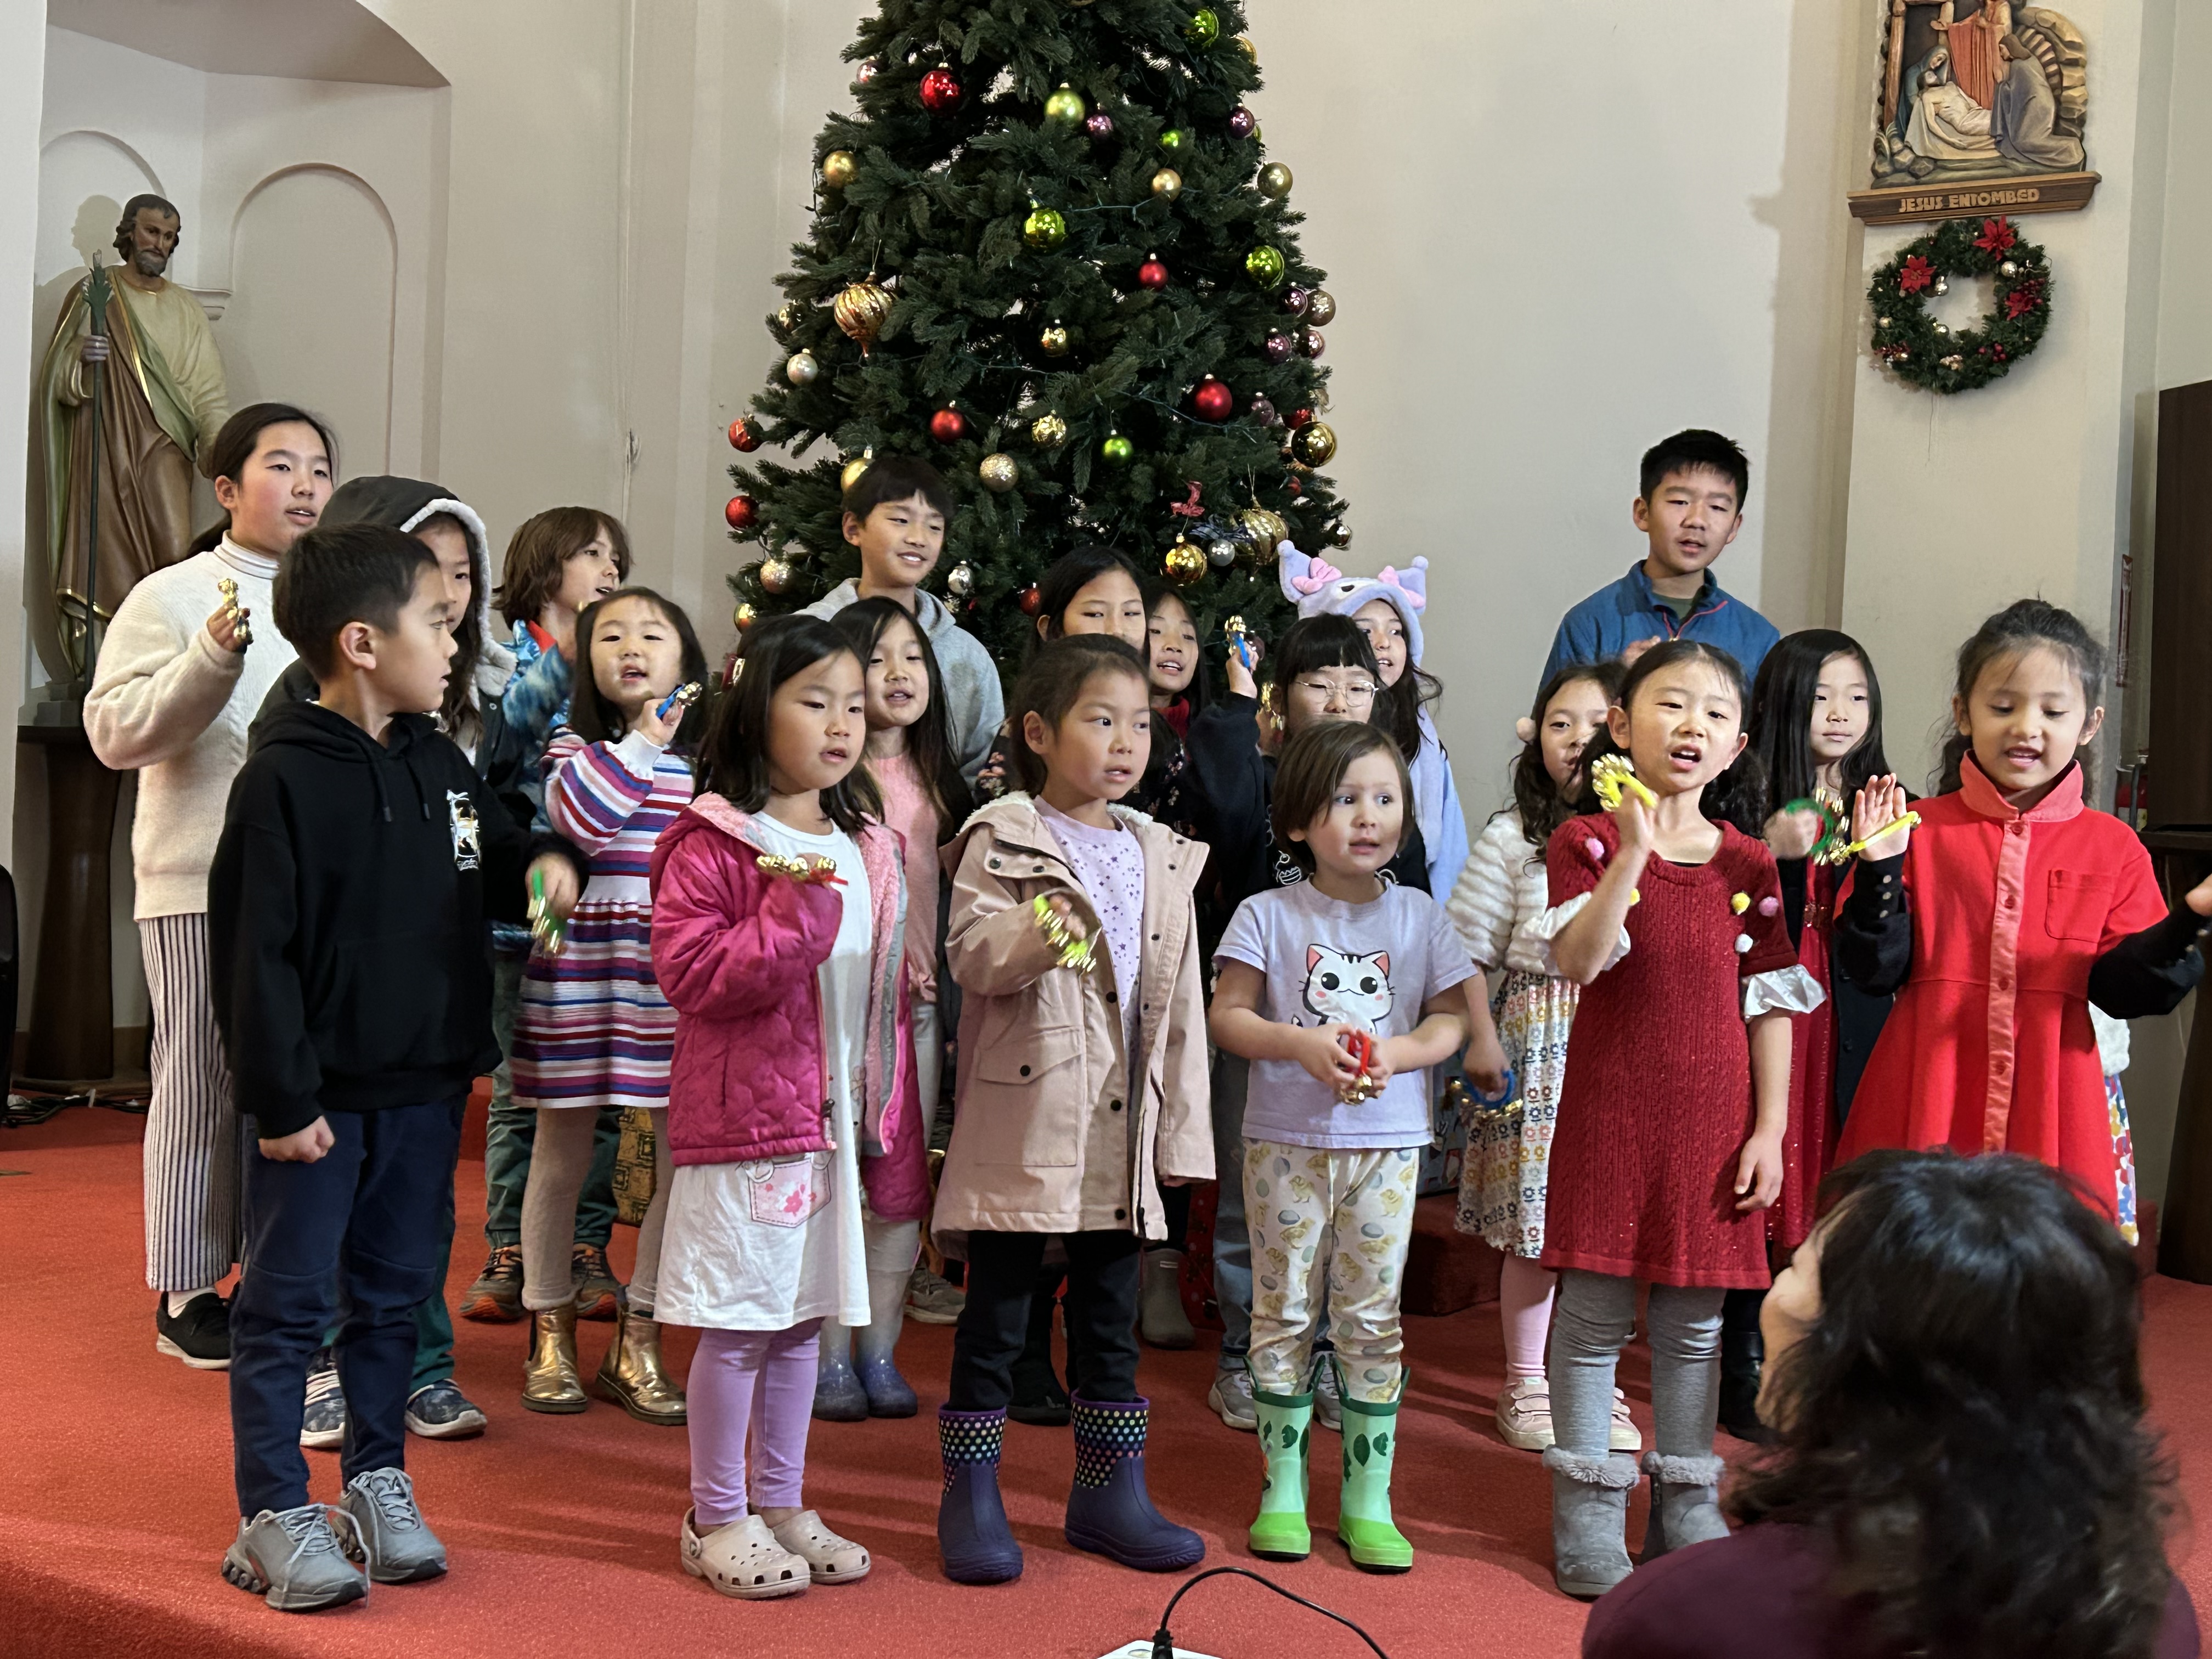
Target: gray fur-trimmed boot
(1589, 1520)
(1685, 1502)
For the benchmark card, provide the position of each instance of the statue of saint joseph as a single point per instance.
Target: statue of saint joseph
(161, 402)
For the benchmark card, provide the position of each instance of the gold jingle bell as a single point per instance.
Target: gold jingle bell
(1315, 444)
(861, 310)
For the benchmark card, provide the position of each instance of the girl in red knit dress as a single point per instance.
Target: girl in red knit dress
(2011, 908)
(1677, 1090)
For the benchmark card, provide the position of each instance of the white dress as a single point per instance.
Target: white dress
(765, 1246)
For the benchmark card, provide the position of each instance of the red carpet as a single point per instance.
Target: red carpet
(115, 1506)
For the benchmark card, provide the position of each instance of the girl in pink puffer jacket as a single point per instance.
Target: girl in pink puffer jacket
(793, 1119)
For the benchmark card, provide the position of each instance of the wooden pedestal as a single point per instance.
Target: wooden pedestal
(72, 1035)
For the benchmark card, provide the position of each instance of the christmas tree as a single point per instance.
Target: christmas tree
(1049, 256)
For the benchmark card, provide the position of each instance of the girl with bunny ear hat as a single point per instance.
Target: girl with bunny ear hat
(1387, 607)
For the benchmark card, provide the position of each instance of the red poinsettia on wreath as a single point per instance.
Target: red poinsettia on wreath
(1917, 275)
(1997, 236)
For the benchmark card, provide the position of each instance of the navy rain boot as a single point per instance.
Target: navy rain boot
(972, 1533)
(1109, 1513)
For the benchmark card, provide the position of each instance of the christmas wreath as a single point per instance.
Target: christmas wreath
(1920, 351)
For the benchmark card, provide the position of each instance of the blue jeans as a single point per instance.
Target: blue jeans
(1232, 1242)
(367, 1222)
(511, 1130)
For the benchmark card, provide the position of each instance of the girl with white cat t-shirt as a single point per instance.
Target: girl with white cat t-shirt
(1342, 991)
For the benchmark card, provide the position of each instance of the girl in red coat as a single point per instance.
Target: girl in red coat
(1677, 1090)
(778, 934)
(2010, 909)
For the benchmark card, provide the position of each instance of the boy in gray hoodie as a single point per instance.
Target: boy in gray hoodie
(895, 514)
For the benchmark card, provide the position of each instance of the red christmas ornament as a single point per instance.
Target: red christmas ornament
(940, 91)
(1296, 489)
(1997, 236)
(743, 512)
(1031, 600)
(1214, 400)
(1152, 273)
(1300, 417)
(743, 438)
(948, 426)
(1917, 275)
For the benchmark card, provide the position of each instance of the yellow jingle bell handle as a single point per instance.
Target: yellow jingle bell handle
(1611, 775)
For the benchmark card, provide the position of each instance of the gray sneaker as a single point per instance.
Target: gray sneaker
(398, 1547)
(322, 1426)
(439, 1411)
(930, 1300)
(295, 1558)
(1231, 1397)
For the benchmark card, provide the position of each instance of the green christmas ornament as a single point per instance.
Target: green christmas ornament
(1274, 181)
(1203, 29)
(1064, 107)
(1045, 228)
(1171, 140)
(1117, 450)
(1264, 265)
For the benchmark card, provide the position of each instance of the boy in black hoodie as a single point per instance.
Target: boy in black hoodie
(359, 859)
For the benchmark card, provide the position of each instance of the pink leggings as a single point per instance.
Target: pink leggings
(755, 1382)
(1524, 1308)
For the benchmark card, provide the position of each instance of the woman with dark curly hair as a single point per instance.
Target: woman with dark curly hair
(1963, 1468)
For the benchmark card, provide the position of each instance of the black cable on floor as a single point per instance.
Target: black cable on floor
(1163, 1643)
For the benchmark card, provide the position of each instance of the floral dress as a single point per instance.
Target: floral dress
(1500, 890)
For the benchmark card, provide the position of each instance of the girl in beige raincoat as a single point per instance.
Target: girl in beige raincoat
(1082, 1091)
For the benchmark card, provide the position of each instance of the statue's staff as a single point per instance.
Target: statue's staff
(96, 294)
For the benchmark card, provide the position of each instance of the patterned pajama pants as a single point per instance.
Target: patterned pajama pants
(1348, 1215)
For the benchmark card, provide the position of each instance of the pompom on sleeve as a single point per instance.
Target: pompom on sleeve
(1574, 861)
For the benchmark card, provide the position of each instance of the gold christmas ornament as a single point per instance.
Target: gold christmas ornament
(1321, 308)
(1184, 564)
(787, 315)
(1275, 181)
(999, 472)
(745, 616)
(1167, 182)
(850, 473)
(1266, 529)
(1313, 443)
(861, 310)
(801, 369)
(776, 574)
(838, 167)
(1053, 342)
(1049, 431)
(1251, 53)
(960, 581)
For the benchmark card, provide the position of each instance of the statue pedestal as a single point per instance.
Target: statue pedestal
(72, 1032)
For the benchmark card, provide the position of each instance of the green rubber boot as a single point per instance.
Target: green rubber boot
(1362, 1520)
(1285, 1425)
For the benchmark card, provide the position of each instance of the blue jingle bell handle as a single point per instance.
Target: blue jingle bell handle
(1511, 1086)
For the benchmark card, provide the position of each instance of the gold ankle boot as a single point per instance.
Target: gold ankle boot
(549, 1383)
(633, 1376)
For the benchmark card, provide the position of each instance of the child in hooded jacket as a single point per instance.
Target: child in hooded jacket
(778, 934)
(1082, 1090)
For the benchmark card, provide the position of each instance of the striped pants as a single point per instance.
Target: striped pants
(192, 1161)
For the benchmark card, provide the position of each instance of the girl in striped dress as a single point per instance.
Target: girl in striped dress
(594, 1031)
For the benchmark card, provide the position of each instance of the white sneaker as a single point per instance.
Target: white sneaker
(1524, 1414)
(1230, 1399)
(1625, 1435)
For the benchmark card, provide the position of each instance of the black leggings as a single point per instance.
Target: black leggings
(1103, 1275)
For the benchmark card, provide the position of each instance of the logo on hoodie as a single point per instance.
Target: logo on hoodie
(461, 813)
